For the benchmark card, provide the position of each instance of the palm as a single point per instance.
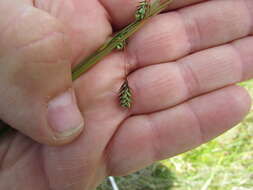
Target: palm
(117, 141)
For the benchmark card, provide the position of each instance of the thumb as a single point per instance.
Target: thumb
(36, 91)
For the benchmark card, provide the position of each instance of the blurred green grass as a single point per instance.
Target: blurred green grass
(156, 176)
(225, 163)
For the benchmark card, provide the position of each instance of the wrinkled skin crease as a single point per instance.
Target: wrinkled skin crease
(84, 163)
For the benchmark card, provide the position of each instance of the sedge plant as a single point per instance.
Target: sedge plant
(145, 10)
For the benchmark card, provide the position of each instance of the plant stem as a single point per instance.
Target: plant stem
(121, 36)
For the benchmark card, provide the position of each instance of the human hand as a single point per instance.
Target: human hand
(182, 69)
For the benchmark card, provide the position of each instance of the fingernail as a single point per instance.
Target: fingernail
(64, 116)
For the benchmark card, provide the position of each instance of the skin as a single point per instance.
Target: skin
(182, 68)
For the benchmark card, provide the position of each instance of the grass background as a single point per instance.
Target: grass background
(225, 163)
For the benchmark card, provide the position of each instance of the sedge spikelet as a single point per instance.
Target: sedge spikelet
(121, 45)
(142, 10)
(125, 96)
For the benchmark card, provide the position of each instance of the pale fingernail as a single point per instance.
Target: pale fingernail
(64, 116)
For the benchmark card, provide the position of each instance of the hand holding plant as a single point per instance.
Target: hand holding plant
(182, 69)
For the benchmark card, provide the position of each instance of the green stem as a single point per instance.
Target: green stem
(124, 34)
(106, 49)
(161, 7)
